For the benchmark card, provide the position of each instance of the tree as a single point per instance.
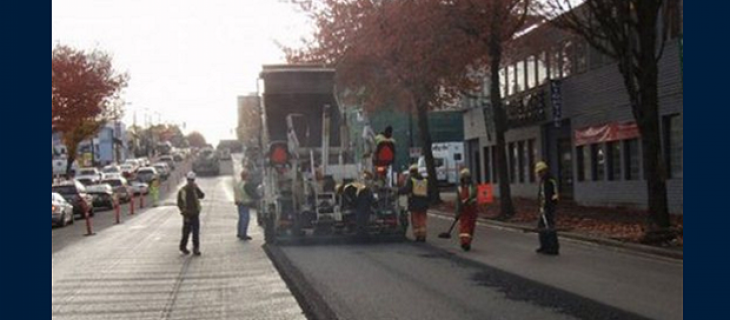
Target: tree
(197, 140)
(396, 52)
(85, 95)
(634, 33)
(494, 24)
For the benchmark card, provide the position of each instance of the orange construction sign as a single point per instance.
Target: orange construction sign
(485, 194)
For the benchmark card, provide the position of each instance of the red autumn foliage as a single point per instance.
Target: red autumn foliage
(85, 91)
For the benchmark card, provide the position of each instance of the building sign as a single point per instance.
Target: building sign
(556, 98)
(606, 133)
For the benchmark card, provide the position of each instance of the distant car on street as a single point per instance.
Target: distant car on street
(139, 188)
(62, 212)
(92, 175)
(113, 169)
(170, 160)
(103, 196)
(128, 171)
(147, 175)
(163, 169)
(120, 186)
(75, 193)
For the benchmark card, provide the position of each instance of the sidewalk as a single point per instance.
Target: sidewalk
(135, 271)
(620, 228)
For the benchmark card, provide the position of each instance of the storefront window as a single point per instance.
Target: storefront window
(581, 57)
(568, 59)
(504, 82)
(542, 69)
(614, 161)
(674, 140)
(598, 160)
(556, 64)
(631, 158)
(520, 77)
(512, 77)
(531, 72)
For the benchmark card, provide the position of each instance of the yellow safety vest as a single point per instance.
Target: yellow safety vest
(420, 187)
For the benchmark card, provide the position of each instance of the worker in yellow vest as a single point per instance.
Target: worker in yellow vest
(417, 191)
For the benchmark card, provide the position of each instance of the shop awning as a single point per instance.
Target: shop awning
(606, 133)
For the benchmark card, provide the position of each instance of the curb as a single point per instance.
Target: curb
(631, 247)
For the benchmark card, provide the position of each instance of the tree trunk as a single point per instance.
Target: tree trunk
(69, 165)
(655, 170)
(500, 127)
(427, 144)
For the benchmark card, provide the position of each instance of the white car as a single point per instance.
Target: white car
(163, 169)
(111, 170)
(128, 171)
(139, 188)
(89, 176)
(62, 212)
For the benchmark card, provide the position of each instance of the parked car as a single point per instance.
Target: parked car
(112, 169)
(128, 171)
(224, 154)
(103, 196)
(139, 188)
(169, 160)
(120, 186)
(62, 212)
(178, 157)
(163, 169)
(147, 175)
(75, 193)
(93, 175)
(144, 162)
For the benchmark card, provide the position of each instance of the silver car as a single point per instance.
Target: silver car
(62, 212)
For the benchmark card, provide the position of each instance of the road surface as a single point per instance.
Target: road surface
(502, 278)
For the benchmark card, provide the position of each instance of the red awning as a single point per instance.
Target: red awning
(606, 133)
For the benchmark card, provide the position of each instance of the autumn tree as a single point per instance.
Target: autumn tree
(392, 52)
(634, 33)
(85, 95)
(197, 140)
(493, 25)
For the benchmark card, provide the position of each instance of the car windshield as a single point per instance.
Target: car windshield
(87, 172)
(111, 170)
(64, 190)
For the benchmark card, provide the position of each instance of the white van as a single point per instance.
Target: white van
(449, 158)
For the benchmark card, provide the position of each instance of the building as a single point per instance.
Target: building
(567, 105)
(110, 146)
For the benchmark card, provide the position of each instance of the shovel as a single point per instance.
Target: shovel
(447, 235)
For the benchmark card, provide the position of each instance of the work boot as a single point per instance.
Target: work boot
(185, 251)
(197, 253)
(466, 247)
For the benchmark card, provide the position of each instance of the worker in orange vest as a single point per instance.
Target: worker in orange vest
(467, 209)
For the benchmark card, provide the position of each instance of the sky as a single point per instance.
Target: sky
(188, 60)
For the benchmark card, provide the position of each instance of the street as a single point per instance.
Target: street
(134, 271)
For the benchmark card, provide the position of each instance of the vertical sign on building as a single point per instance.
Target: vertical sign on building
(556, 98)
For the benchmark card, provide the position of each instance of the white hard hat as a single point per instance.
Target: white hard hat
(191, 175)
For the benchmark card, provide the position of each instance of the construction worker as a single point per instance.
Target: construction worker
(246, 196)
(418, 202)
(467, 209)
(155, 192)
(548, 201)
(385, 136)
(188, 201)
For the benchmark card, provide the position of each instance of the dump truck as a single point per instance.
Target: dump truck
(313, 188)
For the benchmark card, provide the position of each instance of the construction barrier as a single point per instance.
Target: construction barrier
(131, 205)
(118, 212)
(89, 228)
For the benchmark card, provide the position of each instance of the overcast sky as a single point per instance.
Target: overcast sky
(188, 60)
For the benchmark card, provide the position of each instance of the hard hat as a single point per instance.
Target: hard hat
(465, 173)
(541, 166)
(191, 176)
(414, 168)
